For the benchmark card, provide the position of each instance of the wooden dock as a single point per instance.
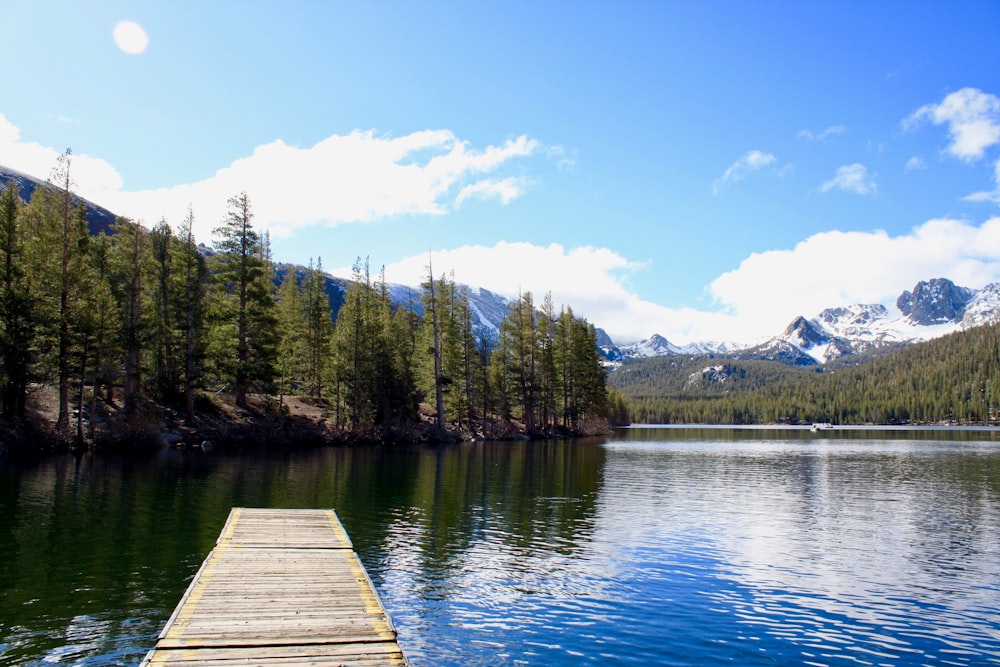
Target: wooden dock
(281, 587)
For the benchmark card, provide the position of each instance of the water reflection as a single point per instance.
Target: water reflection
(868, 552)
(675, 546)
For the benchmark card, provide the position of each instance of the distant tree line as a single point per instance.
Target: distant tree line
(143, 315)
(953, 379)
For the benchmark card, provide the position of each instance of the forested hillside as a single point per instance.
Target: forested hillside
(127, 323)
(951, 379)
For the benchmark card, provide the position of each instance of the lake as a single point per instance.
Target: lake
(655, 546)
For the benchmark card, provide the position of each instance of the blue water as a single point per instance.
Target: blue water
(753, 552)
(652, 547)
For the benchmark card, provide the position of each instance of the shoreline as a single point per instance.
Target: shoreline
(289, 422)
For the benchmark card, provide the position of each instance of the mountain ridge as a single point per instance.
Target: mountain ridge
(933, 308)
(99, 219)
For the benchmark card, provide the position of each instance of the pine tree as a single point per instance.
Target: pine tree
(547, 379)
(318, 329)
(353, 342)
(166, 371)
(57, 247)
(432, 310)
(469, 354)
(105, 324)
(191, 275)
(291, 365)
(16, 316)
(519, 337)
(370, 358)
(563, 359)
(243, 280)
(130, 268)
(503, 372)
(68, 259)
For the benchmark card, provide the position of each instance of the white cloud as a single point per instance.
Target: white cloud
(837, 268)
(851, 178)
(357, 177)
(91, 175)
(505, 190)
(9, 133)
(752, 302)
(831, 131)
(591, 280)
(915, 162)
(746, 164)
(989, 195)
(973, 119)
(362, 176)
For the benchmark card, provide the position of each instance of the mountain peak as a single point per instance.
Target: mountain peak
(935, 301)
(804, 333)
(656, 345)
(933, 308)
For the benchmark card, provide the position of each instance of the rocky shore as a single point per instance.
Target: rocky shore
(293, 421)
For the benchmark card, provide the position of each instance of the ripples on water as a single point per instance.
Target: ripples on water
(94, 556)
(714, 552)
(654, 548)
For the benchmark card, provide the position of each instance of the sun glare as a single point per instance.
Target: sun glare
(130, 37)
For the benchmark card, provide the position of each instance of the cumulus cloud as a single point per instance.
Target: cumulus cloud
(596, 274)
(357, 177)
(972, 117)
(91, 174)
(752, 302)
(851, 178)
(915, 162)
(822, 135)
(363, 176)
(837, 268)
(505, 190)
(750, 162)
(591, 280)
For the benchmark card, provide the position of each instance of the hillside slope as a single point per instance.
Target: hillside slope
(952, 379)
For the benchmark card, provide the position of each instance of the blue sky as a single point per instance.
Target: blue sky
(702, 170)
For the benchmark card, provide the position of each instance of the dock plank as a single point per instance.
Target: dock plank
(281, 587)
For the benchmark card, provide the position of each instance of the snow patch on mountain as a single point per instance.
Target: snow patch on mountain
(935, 301)
(658, 346)
(933, 308)
(984, 308)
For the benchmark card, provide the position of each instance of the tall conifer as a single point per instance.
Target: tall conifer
(243, 278)
(191, 275)
(16, 325)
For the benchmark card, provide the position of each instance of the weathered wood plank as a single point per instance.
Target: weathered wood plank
(281, 587)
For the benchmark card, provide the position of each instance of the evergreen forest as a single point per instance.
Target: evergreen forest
(950, 380)
(125, 325)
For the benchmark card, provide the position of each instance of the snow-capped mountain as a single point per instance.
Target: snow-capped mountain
(934, 302)
(488, 308)
(933, 308)
(984, 308)
(656, 346)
